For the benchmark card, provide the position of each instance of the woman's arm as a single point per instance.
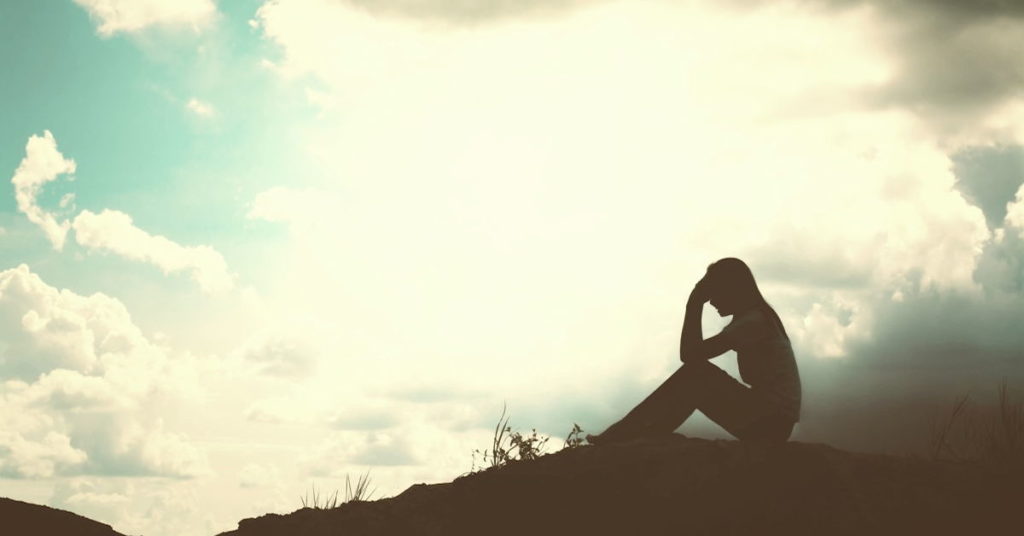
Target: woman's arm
(692, 334)
(692, 345)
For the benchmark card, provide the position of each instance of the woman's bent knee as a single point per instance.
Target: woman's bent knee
(701, 367)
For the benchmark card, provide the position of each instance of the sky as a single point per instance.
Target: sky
(251, 247)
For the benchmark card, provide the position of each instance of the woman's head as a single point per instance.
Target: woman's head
(731, 286)
(732, 289)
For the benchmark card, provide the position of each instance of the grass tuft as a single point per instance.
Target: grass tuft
(319, 501)
(992, 434)
(362, 490)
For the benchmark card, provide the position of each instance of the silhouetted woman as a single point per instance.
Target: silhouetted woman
(766, 410)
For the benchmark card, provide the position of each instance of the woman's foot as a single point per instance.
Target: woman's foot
(603, 439)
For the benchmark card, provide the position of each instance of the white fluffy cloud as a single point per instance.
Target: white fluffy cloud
(91, 498)
(1015, 212)
(86, 383)
(35, 452)
(138, 506)
(43, 163)
(48, 328)
(129, 16)
(111, 230)
(114, 231)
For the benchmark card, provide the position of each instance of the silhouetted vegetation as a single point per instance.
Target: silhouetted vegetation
(509, 446)
(360, 492)
(987, 434)
(575, 438)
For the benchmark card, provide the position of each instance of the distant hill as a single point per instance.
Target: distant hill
(24, 519)
(687, 486)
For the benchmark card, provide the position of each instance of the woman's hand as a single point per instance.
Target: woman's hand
(700, 292)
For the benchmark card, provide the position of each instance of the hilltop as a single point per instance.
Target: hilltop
(19, 518)
(685, 486)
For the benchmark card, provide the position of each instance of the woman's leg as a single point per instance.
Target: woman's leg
(662, 411)
(741, 410)
(696, 385)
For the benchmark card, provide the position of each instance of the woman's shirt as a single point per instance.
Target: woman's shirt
(766, 360)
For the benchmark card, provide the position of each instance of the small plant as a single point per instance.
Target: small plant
(575, 439)
(509, 446)
(498, 455)
(994, 435)
(318, 501)
(527, 447)
(939, 442)
(361, 492)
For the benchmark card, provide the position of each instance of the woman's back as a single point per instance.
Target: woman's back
(766, 361)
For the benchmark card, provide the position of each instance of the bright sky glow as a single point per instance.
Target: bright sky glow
(252, 246)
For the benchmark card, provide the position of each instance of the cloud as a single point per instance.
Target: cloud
(280, 356)
(43, 163)
(479, 228)
(51, 329)
(128, 447)
(923, 352)
(988, 177)
(131, 16)
(535, 212)
(387, 450)
(336, 454)
(91, 498)
(954, 67)
(86, 386)
(955, 64)
(200, 108)
(366, 419)
(35, 453)
(114, 231)
(1015, 212)
(282, 410)
(903, 351)
(110, 230)
(138, 506)
(430, 392)
(462, 12)
(952, 80)
(254, 475)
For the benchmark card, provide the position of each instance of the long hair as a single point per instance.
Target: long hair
(733, 274)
